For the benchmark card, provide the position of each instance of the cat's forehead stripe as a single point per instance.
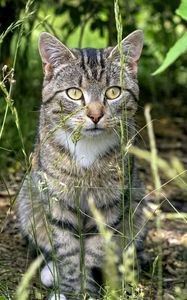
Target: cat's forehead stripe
(85, 63)
(92, 62)
(98, 54)
(102, 64)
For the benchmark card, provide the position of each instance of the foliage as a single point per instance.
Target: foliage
(79, 23)
(182, 10)
(83, 23)
(22, 292)
(179, 47)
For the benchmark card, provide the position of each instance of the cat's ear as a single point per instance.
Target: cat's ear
(132, 47)
(53, 52)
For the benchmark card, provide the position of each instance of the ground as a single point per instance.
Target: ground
(171, 136)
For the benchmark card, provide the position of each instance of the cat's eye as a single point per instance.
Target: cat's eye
(113, 92)
(74, 93)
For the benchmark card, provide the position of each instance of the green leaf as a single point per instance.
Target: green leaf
(182, 10)
(179, 48)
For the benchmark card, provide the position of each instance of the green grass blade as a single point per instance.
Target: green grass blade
(22, 292)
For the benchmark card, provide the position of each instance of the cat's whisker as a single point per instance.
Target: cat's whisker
(137, 132)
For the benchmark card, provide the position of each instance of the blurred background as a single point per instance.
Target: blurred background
(82, 23)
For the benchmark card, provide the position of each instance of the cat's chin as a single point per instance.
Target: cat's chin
(93, 132)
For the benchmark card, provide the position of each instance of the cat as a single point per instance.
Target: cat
(78, 156)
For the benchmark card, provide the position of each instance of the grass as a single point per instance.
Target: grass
(116, 288)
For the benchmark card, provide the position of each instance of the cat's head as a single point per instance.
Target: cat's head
(85, 88)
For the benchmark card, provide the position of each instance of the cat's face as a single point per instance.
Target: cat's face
(82, 87)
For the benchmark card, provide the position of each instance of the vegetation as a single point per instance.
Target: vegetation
(81, 23)
(180, 46)
(78, 23)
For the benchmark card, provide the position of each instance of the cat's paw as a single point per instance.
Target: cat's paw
(49, 275)
(58, 297)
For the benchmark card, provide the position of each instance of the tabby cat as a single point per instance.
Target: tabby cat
(77, 157)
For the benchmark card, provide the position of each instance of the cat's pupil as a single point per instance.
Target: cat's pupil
(74, 93)
(113, 92)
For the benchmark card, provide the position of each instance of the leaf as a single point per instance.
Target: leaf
(179, 48)
(182, 10)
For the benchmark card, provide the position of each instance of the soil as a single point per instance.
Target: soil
(171, 137)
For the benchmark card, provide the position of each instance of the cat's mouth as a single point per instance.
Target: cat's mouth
(94, 130)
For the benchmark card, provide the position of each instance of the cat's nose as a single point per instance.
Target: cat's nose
(95, 111)
(95, 117)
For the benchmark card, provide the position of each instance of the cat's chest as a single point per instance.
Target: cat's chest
(68, 181)
(87, 169)
(87, 150)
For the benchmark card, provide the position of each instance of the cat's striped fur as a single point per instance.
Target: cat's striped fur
(78, 156)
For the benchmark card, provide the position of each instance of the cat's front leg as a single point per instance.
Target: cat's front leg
(66, 274)
(94, 258)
